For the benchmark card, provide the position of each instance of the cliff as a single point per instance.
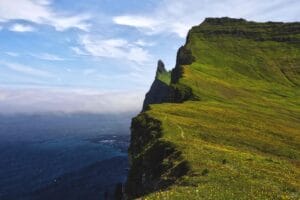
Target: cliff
(159, 90)
(225, 123)
(165, 87)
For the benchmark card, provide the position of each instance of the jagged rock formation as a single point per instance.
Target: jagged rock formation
(165, 87)
(159, 90)
(160, 68)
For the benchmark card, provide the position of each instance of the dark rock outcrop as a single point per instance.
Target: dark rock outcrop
(160, 68)
(172, 91)
(159, 90)
(184, 57)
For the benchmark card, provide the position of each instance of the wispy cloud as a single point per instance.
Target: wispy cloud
(21, 28)
(112, 48)
(40, 12)
(78, 51)
(12, 54)
(177, 16)
(20, 68)
(137, 21)
(47, 56)
(144, 43)
(64, 23)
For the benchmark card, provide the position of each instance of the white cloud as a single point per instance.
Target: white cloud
(40, 12)
(21, 28)
(41, 56)
(144, 43)
(20, 68)
(78, 51)
(112, 48)
(136, 21)
(177, 16)
(137, 54)
(71, 22)
(47, 56)
(32, 100)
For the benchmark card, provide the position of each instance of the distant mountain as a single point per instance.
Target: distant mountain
(225, 123)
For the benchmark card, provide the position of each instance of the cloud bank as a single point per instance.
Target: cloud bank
(40, 12)
(43, 100)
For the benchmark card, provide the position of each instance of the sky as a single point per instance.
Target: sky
(100, 55)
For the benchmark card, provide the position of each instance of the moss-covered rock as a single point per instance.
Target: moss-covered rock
(152, 160)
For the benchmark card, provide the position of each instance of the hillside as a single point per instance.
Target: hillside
(228, 124)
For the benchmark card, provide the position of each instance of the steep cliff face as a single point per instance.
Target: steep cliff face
(226, 123)
(159, 90)
(156, 163)
(166, 86)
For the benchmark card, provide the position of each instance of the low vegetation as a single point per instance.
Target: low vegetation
(238, 127)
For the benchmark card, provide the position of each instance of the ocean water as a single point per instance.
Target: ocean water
(62, 157)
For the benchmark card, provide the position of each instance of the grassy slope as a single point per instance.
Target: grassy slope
(165, 77)
(242, 138)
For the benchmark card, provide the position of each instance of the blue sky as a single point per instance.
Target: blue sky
(100, 55)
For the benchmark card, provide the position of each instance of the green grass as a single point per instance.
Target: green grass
(242, 137)
(164, 77)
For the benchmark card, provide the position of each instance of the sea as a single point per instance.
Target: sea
(63, 156)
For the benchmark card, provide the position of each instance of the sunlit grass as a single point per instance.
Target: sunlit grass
(242, 138)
